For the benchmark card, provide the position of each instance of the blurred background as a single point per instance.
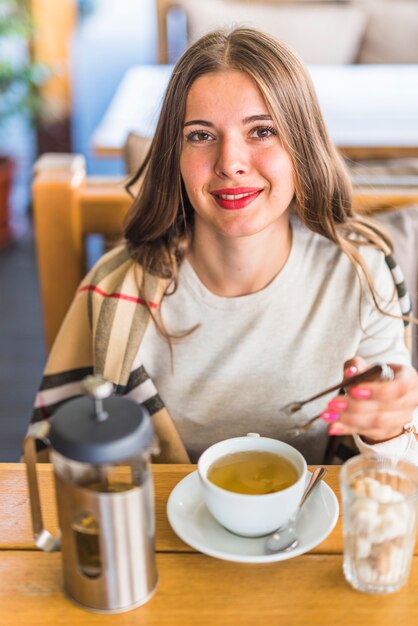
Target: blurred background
(61, 64)
(79, 71)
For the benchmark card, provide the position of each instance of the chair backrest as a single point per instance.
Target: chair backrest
(163, 7)
(68, 206)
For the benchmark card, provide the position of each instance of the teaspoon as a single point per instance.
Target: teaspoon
(285, 538)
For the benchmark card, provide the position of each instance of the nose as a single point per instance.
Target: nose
(232, 158)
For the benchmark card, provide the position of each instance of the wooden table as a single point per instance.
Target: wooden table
(370, 110)
(194, 589)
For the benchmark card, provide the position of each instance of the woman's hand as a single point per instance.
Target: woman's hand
(378, 410)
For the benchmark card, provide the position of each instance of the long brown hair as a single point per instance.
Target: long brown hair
(159, 224)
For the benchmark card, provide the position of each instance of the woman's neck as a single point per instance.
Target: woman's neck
(232, 267)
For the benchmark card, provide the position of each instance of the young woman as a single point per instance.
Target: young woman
(245, 281)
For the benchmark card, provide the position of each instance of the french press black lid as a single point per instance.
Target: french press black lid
(100, 429)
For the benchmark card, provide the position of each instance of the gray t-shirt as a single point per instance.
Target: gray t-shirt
(252, 354)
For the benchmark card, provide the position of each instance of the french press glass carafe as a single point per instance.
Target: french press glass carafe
(100, 450)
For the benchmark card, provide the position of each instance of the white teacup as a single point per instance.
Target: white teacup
(251, 515)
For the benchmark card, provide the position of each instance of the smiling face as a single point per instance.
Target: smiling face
(237, 175)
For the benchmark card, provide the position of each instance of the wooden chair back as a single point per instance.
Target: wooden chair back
(68, 206)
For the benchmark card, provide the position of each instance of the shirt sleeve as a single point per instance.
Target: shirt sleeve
(405, 446)
(383, 332)
(384, 340)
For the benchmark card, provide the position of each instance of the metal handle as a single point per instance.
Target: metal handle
(382, 370)
(43, 538)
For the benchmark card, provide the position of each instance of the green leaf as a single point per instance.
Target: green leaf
(19, 80)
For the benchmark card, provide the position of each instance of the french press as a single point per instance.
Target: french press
(100, 448)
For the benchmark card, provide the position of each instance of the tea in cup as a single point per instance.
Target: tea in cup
(252, 485)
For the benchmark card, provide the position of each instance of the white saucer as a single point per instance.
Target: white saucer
(192, 522)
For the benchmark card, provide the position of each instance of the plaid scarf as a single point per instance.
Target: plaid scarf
(101, 334)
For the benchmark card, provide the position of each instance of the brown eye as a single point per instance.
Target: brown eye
(263, 132)
(199, 136)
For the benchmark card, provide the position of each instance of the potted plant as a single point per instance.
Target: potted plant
(20, 78)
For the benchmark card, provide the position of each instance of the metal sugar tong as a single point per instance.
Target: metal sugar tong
(379, 371)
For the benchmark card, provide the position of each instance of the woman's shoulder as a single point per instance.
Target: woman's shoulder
(117, 255)
(114, 264)
(324, 248)
(117, 275)
(114, 272)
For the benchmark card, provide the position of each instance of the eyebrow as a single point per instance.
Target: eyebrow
(246, 120)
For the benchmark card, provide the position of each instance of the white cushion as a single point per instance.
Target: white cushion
(392, 31)
(319, 34)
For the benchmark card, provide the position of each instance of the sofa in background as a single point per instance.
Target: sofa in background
(321, 31)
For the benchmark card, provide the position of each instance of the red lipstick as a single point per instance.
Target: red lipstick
(235, 198)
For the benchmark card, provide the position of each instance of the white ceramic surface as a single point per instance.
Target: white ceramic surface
(251, 515)
(192, 522)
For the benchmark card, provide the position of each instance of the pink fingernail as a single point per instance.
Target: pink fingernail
(350, 371)
(337, 404)
(360, 393)
(330, 416)
(336, 429)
